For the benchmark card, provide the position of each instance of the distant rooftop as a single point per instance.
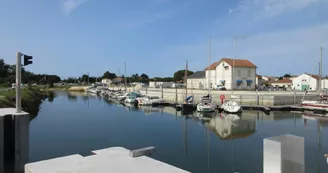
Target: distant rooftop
(197, 75)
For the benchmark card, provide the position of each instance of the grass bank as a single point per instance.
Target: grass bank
(31, 99)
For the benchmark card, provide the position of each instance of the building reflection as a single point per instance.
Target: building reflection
(231, 126)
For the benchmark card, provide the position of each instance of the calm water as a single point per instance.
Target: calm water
(77, 124)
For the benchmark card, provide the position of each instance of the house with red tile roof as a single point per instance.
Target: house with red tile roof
(306, 81)
(232, 74)
(285, 82)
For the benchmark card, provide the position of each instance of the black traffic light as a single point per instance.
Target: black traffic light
(27, 60)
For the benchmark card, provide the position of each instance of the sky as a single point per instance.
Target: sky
(74, 37)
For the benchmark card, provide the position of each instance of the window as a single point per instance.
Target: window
(248, 73)
(249, 84)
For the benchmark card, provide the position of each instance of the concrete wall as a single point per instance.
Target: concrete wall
(212, 78)
(200, 83)
(243, 97)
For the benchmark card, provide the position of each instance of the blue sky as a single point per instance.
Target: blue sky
(156, 37)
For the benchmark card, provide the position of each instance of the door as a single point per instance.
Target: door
(305, 87)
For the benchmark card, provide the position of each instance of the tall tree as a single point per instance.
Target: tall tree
(106, 75)
(179, 75)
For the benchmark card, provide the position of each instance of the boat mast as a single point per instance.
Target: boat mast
(185, 78)
(209, 67)
(125, 76)
(320, 71)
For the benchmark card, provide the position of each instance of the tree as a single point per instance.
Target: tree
(287, 75)
(84, 78)
(179, 75)
(144, 78)
(106, 75)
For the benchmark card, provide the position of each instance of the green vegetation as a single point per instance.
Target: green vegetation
(8, 76)
(31, 99)
(179, 75)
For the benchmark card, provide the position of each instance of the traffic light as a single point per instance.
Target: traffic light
(27, 60)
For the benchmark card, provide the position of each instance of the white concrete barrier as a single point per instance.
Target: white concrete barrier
(283, 154)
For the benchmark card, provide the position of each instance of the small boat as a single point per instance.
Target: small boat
(231, 107)
(320, 104)
(133, 97)
(150, 100)
(206, 105)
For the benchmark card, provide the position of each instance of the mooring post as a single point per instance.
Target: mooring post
(176, 95)
(14, 140)
(257, 97)
(162, 93)
(294, 96)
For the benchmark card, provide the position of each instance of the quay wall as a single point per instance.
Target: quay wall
(265, 98)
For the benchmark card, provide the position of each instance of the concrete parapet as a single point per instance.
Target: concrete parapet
(251, 98)
(283, 154)
(14, 140)
(115, 159)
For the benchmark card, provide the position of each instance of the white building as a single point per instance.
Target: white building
(106, 81)
(324, 83)
(306, 81)
(286, 83)
(197, 80)
(259, 81)
(232, 73)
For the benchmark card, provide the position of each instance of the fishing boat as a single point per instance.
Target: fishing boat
(206, 104)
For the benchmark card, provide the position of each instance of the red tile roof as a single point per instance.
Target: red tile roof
(212, 66)
(233, 63)
(283, 81)
(314, 76)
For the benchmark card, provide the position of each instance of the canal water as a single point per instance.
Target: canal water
(75, 123)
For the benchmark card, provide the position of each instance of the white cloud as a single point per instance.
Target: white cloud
(271, 8)
(69, 6)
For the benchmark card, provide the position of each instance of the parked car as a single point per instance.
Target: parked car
(220, 87)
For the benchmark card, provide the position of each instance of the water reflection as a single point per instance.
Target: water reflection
(190, 140)
(231, 126)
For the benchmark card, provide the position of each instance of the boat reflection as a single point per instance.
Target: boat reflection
(131, 107)
(231, 126)
(148, 110)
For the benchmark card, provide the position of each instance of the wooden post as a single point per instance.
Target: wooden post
(162, 92)
(176, 94)
(257, 97)
(294, 96)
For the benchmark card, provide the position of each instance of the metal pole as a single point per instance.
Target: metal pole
(126, 77)
(320, 77)
(209, 67)
(233, 64)
(18, 83)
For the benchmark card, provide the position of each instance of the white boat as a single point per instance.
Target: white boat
(206, 105)
(231, 107)
(149, 100)
(320, 104)
(123, 97)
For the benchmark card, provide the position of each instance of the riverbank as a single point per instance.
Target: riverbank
(31, 99)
